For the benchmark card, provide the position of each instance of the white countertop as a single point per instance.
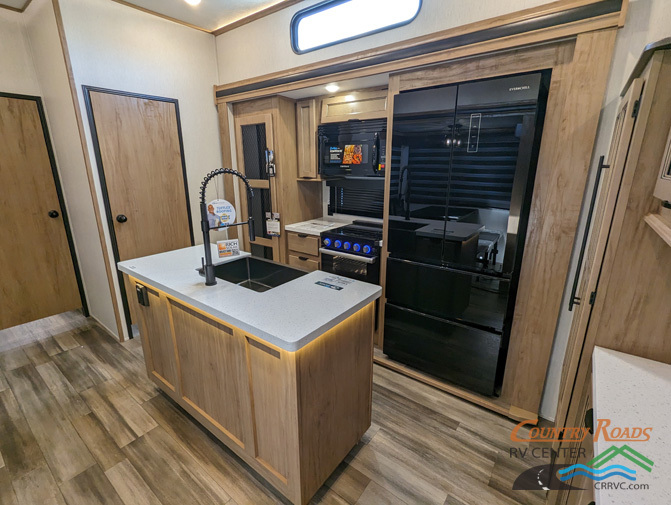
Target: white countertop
(316, 226)
(634, 392)
(289, 316)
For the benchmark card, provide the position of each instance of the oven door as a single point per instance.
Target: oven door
(350, 265)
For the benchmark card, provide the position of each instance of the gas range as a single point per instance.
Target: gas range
(360, 239)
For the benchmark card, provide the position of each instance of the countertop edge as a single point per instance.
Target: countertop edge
(270, 339)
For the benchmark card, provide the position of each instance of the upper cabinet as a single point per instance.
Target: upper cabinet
(367, 104)
(306, 138)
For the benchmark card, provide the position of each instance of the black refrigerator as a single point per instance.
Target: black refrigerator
(463, 164)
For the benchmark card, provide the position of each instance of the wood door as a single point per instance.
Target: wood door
(38, 270)
(600, 234)
(139, 155)
(254, 137)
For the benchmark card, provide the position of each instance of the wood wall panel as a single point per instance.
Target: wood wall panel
(563, 166)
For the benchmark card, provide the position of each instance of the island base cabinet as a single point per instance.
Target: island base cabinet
(292, 416)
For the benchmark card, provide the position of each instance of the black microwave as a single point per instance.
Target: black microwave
(353, 148)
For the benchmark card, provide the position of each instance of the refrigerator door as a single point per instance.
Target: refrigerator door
(420, 161)
(490, 177)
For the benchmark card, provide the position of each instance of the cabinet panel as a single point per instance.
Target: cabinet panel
(355, 105)
(273, 396)
(308, 263)
(306, 139)
(157, 341)
(214, 373)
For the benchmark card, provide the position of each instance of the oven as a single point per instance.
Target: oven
(352, 266)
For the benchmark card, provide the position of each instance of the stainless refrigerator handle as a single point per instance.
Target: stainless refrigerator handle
(575, 300)
(370, 261)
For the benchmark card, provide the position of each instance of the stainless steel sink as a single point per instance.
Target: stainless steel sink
(256, 274)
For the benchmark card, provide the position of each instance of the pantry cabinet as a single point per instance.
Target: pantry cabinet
(266, 140)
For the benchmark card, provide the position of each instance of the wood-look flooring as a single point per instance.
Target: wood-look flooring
(80, 424)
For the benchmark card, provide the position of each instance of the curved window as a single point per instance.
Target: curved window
(336, 21)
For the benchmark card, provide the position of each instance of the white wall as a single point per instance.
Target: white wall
(17, 74)
(47, 55)
(647, 21)
(117, 47)
(264, 46)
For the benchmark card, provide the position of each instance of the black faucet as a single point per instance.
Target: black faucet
(208, 268)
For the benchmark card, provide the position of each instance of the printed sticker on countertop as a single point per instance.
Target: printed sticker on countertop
(334, 282)
(220, 213)
(228, 248)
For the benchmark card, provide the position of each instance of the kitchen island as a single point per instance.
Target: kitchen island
(282, 377)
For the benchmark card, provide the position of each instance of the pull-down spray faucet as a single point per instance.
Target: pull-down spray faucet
(208, 268)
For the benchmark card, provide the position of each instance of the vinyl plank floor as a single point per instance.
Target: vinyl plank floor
(98, 440)
(81, 423)
(90, 487)
(38, 487)
(130, 486)
(173, 475)
(62, 447)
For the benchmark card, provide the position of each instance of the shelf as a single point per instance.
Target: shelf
(660, 226)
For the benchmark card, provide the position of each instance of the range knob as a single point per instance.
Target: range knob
(367, 249)
(337, 244)
(356, 247)
(327, 242)
(347, 246)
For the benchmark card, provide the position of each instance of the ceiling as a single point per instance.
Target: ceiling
(17, 5)
(209, 14)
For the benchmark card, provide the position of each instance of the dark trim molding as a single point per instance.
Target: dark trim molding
(59, 193)
(600, 8)
(103, 183)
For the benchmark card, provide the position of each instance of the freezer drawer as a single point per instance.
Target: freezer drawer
(448, 293)
(453, 352)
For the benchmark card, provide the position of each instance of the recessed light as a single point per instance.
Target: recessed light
(332, 88)
(192, 2)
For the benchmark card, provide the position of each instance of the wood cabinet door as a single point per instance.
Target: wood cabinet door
(38, 276)
(306, 138)
(367, 104)
(214, 378)
(157, 342)
(254, 140)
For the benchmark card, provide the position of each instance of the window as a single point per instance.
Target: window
(335, 21)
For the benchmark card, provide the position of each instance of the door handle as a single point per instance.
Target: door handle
(53, 214)
(121, 218)
(574, 299)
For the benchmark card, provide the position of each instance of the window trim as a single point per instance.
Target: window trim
(327, 4)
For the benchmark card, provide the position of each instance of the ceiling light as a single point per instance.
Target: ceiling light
(332, 88)
(192, 2)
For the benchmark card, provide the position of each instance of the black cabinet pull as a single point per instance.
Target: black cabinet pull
(575, 300)
(303, 258)
(53, 214)
(589, 421)
(302, 235)
(121, 218)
